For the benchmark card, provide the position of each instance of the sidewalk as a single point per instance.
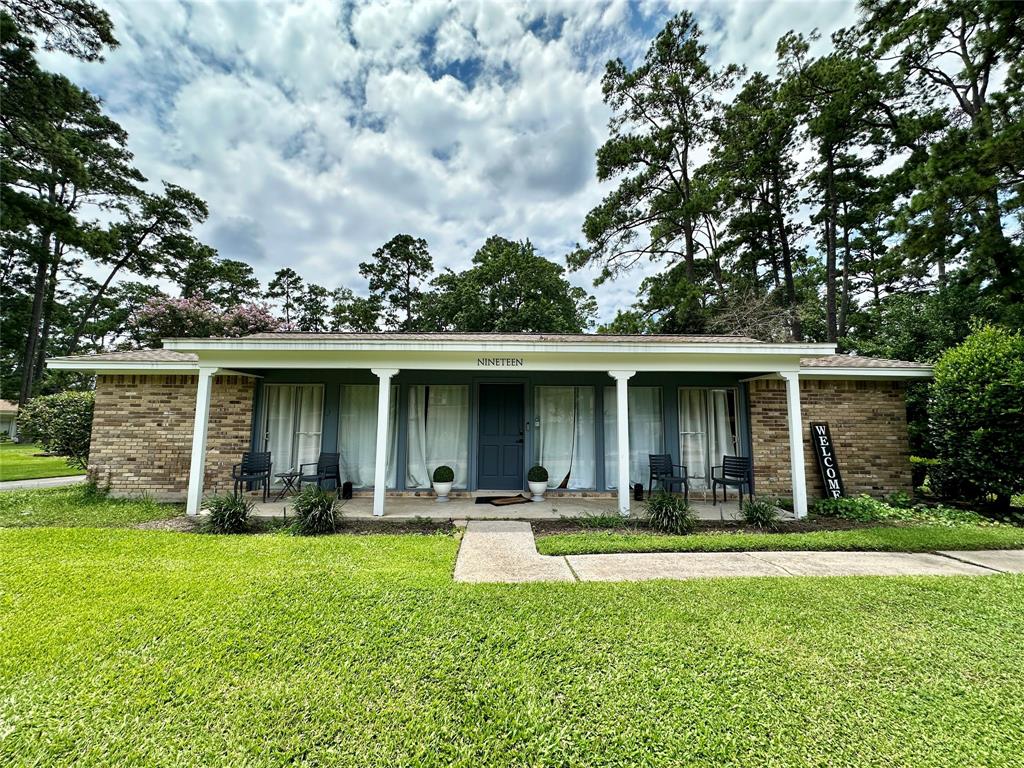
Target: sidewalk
(41, 482)
(505, 552)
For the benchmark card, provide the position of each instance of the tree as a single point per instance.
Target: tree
(76, 27)
(663, 113)
(957, 53)
(61, 423)
(163, 317)
(508, 289)
(286, 287)
(396, 274)
(976, 415)
(313, 315)
(225, 282)
(353, 313)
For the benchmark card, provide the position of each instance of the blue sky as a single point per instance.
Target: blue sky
(317, 130)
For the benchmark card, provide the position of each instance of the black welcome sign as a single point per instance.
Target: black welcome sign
(827, 463)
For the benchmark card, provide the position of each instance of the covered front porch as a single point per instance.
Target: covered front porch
(591, 410)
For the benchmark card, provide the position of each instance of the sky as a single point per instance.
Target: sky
(317, 130)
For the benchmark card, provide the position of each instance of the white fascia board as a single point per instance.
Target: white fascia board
(865, 373)
(137, 368)
(490, 348)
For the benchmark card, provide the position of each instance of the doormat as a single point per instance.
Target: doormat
(502, 501)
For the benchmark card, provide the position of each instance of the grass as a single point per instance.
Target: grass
(878, 538)
(121, 647)
(17, 462)
(77, 505)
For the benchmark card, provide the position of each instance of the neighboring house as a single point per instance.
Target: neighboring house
(590, 408)
(8, 420)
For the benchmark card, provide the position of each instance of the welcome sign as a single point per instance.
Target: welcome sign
(827, 464)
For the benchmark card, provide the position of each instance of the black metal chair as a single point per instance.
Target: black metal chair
(255, 468)
(663, 472)
(734, 471)
(326, 467)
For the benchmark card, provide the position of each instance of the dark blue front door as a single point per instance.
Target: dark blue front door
(500, 451)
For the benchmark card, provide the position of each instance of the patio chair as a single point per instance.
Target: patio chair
(663, 472)
(255, 467)
(326, 467)
(735, 471)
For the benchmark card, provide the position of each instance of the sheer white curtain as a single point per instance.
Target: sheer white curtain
(646, 433)
(565, 437)
(722, 431)
(438, 433)
(693, 436)
(707, 431)
(357, 434)
(293, 424)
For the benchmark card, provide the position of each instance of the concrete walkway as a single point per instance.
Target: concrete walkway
(41, 482)
(505, 552)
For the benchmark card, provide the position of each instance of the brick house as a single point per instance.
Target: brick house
(590, 408)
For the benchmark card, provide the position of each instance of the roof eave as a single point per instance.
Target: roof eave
(814, 372)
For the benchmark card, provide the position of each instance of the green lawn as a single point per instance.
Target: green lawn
(77, 505)
(919, 538)
(17, 462)
(121, 647)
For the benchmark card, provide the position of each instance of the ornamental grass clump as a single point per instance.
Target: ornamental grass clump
(316, 512)
(669, 513)
(227, 513)
(762, 512)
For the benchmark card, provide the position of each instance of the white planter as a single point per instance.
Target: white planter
(442, 490)
(537, 489)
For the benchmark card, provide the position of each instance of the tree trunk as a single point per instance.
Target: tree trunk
(844, 301)
(84, 319)
(51, 290)
(787, 259)
(38, 297)
(830, 244)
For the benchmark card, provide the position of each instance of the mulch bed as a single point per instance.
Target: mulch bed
(807, 525)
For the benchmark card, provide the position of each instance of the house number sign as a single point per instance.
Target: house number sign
(500, 362)
(827, 464)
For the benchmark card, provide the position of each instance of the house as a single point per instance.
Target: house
(8, 420)
(590, 408)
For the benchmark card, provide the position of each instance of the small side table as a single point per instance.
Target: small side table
(288, 483)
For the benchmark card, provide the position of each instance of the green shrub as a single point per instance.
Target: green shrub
(865, 509)
(60, 423)
(976, 417)
(444, 474)
(603, 520)
(762, 512)
(227, 513)
(899, 500)
(919, 467)
(537, 474)
(670, 514)
(316, 512)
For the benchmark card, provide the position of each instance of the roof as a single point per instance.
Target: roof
(855, 361)
(134, 356)
(6, 406)
(584, 338)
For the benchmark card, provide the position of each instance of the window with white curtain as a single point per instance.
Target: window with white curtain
(707, 431)
(438, 433)
(564, 441)
(646, 433)
(293, 421)
(357, 434)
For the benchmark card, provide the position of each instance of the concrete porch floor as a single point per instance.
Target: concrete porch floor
(466, 508)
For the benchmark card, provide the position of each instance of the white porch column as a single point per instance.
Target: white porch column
(622, 431)
(796, 442)
(197, 467)
(380, 461)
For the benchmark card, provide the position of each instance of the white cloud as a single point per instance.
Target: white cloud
(316, 132)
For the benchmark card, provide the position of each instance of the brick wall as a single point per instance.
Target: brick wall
(142, 433)
(868, 421)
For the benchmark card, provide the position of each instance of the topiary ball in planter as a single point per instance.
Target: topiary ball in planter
(537, 479)
(443, 478)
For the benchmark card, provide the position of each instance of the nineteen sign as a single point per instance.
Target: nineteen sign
(827, 463)
(500, 362)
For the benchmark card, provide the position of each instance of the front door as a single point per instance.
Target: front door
(500, 452)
